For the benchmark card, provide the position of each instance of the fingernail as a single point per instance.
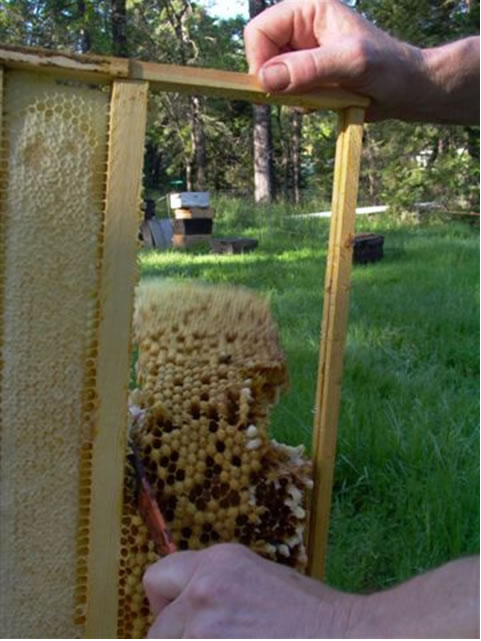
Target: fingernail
(275, 77)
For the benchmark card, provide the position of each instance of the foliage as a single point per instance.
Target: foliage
(404, 163)
(425, 23)
(419, 163)
(55, 23)
(225, 125)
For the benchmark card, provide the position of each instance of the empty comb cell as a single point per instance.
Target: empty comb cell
(216, 474)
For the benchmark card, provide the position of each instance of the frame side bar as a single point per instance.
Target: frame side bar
(334, 329)
(119, 275)
(334, 224)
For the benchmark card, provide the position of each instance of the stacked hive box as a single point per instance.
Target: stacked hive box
(193, 218)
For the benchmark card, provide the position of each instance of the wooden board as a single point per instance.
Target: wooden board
(187, 199)
(119, 272)
(334, 328)
(84, 66)
(192, 80)
(238, 86)
(179, 240)
(193, 212)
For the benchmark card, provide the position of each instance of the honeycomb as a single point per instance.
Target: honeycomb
(209, 369)
(52, 175)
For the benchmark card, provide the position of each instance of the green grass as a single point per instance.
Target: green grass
(406, 495)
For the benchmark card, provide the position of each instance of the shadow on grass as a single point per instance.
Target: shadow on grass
(259, 271)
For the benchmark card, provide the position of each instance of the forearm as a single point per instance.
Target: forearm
(443, 603)
(451, 91)
(227, 591)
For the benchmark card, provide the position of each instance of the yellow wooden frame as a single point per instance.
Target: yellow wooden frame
(131, 80)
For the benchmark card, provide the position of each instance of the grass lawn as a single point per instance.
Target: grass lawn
(406, 495)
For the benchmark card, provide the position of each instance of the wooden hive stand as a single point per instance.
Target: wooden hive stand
(72, 131)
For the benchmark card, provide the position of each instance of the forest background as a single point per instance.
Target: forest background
(267, 153)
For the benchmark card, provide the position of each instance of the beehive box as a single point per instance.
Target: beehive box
(193, 213)
(72, 135)
(189, 200)
(368, 248)
(193, 218)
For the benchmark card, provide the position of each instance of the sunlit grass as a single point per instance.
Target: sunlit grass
(407, 475)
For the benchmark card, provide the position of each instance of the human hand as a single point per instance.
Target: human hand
(227, 591)
(298, 45)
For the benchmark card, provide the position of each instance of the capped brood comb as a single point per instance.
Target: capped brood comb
(209, 369)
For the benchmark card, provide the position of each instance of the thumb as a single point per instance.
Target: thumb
(340, 63)
(165, 580)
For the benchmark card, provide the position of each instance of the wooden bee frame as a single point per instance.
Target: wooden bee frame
(96, 486)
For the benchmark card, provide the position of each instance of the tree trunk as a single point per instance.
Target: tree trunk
(198, 144)
(370, 165)
(189, 173)
(85, 43)
(119, 28)
(196, 159)
(263, 166)
(283, 168)
(473, 142)
(296, 154)
(153, 164)
(256, 6)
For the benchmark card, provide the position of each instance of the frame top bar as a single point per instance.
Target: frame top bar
(194, 80)
(237, 86)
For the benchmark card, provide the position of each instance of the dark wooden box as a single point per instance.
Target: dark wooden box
(194, 226)
(368, 248)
